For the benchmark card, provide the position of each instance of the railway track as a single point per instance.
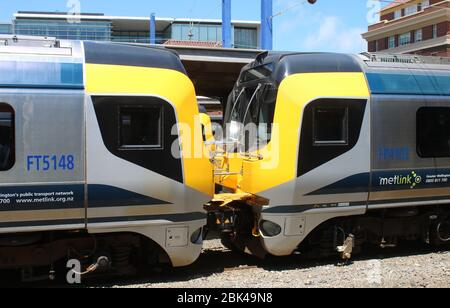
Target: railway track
(217, 262)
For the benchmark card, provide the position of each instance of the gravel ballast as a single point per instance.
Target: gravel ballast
(220, 268)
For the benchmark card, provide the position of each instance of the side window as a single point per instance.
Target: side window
(138, 129)
(433, 132)
(141, 127)
(330, 126)
(7, 142)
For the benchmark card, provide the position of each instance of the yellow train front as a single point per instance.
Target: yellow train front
(328, 152)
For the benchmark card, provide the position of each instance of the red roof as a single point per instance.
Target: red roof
(193, 44)
(395, 3)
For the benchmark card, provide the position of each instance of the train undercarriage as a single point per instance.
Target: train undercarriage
(44, 256)
(343, 237)
(39, 255)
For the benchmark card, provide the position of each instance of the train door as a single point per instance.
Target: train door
(41, 160)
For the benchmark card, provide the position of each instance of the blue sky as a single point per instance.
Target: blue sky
(329, 25)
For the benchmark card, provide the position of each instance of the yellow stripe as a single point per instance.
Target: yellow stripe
(178, 89)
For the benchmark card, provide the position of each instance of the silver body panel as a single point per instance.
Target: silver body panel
(47, 123)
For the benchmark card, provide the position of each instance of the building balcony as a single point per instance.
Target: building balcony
(436, 13)
(418, 46)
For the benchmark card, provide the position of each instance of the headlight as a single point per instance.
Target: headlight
(270, 229)
(234, 130)
(197, 237)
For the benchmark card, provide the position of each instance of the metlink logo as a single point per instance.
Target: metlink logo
(412, 180)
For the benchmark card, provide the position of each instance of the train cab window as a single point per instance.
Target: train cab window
(141, 127)
(250, 115)
(330, 126)
(7, 142)
(433, 132)
(267, 102)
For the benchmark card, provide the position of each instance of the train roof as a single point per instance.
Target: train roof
(406, 74)
(132, 55)
(32, 62)
(386, 73)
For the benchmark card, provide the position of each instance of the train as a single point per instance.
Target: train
(106, 159)
(93, 164)
(347, 151)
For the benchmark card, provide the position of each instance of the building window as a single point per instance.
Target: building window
(433, 132)
(411, 10)
(424, 4)
(135, 37)
(398, 14)
(376, 46)
(245, 38)
(141, 127)
(5, 29)
(391, 43)
(405, 39)
(196, 32)
(418, 35)
(330, 126)
(435, 31)
(7, 142)
(85, 30)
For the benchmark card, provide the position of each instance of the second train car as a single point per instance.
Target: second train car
(349, 150)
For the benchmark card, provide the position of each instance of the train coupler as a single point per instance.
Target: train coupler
(223, 221)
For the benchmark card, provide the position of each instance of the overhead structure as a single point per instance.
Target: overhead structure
(152, 29)
(267, 24)
(214, 71)
(226, 24)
